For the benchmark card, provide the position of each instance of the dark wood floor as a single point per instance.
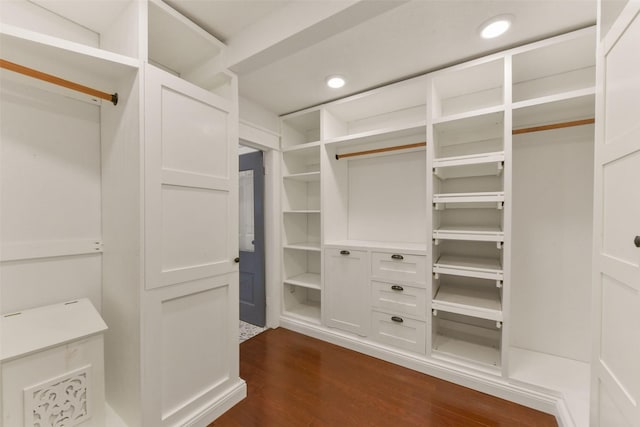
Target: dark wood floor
(294, 380)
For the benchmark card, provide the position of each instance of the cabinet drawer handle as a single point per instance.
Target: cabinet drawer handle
(397, 288)
(343, 252)
(397, 319)
(396, 256)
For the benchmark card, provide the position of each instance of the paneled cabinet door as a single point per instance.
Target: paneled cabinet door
(346, 297)
(615, 378)
(190, 300)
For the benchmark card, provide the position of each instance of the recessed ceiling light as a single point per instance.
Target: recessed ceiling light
(495, 26)
(335, 82)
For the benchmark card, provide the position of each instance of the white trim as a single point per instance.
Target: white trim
(47, 249)
(221, 404)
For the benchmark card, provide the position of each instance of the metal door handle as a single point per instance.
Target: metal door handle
(236, 260)
(636, 241)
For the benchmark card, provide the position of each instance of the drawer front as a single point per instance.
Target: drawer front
(403, 332)
(398, 266)
(398, 298)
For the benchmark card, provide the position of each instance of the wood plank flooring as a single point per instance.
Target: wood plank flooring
(294, 380)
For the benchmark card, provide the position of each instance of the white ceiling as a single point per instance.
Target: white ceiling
(283, 50)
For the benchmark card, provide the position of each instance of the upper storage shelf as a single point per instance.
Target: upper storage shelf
(300, 128)
(111, 26)
(178, 45)
(394, 107)
(88, 66)
(552, 67)
(470, 136)
(470, 89)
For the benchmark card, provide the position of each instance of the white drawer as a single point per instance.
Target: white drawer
(399, 298)
(398, 266)
(398, 331)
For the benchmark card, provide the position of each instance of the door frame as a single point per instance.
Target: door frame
(268, 142)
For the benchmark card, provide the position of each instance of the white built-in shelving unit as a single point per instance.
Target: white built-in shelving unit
(465, 281)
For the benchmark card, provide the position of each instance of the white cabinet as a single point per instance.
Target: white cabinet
(345, 300)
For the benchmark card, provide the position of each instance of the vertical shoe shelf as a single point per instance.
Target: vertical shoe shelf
(467, 127)
(301, 216)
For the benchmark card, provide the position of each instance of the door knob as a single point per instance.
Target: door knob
(636, 241)
(236, 260)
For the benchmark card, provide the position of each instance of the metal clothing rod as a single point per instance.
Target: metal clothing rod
(554, 126)
(381, 150)
(58, 81)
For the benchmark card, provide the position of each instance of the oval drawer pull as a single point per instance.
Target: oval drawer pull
(397, 256)
(397, 288)
(397, 319)
(343, 252)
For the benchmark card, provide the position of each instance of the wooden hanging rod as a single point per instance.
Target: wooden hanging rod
(554, 126)
(381, 150)
(58, 81)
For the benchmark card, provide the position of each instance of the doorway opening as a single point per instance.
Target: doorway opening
(251, 242)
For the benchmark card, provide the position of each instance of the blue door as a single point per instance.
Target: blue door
(251, 227)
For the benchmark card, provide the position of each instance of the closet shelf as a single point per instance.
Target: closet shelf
(305, 280)
(479, 197)
(482, 268)
(305, 246)
(306, 176)
(473, 233)
(446, 347)
(418, 128)
(549, 99)
(302, 147)
(302, 211)
(63, 58)
(470, 165)
(468, 114)
(309, 312)
(475, 301)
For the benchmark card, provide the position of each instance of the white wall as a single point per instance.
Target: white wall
(551, 258)
(50, 198)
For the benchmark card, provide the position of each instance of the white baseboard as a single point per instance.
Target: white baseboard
(221, 404)
(534, 397)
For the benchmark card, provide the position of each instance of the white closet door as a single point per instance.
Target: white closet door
(190, 301)
(615, 387)
(191, 219)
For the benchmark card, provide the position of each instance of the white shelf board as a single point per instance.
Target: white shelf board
(569, 377)
(306, 176)
(405, 247)
(176, 42)
(549, 99)
(314, 145)
(482, 268)
(476, 354)
(468, 114)
(555, 109)
(473, 233)
(306, 246)
(479, 197)
(381, 134)
(307, 312)
(40, 328)
(302, 211)
(475, 301)
(470, 165)
(52, 55)
(305, 280)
